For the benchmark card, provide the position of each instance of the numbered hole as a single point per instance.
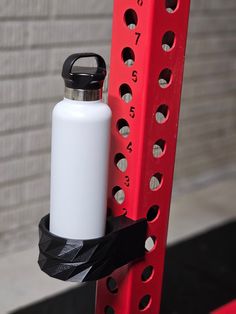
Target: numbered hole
(123, 127)
(155, 182)
(144, 302)
(109, 310)
(162, 113)
(153, 213)
(165, 78)
(121, 162)
(158, 148)
(118, 194)
(168, 41)
(126, 93)
(147, 273)
(112, 285)
(171, 5)
(150, 243)
(131, 18)
(128, 56)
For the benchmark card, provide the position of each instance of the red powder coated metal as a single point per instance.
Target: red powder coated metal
(229, 308)
(143, 30)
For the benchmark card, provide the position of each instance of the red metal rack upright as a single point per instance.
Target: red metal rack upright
(147, 58)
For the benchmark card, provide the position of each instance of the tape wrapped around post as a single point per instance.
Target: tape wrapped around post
(88, 260)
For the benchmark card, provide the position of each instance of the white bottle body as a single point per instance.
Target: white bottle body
(79, 168)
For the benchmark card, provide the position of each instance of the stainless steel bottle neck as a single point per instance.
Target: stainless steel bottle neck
(83, 95)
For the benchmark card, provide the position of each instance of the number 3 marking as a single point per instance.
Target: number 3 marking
(127, 180)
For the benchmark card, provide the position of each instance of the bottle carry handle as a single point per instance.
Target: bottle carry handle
(69, 62)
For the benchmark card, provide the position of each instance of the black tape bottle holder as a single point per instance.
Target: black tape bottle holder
(124, 241)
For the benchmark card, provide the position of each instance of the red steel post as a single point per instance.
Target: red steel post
(229, 308)
(147, 59)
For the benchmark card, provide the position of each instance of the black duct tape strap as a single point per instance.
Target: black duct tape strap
(87, 260)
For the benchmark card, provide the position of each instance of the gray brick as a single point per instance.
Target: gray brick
(202, 67)
(202, 165)
(36, 189)
(45, 87)
(24, 116)
(195, 110)
(25, 62)
(208, 88)
(206, 45)
(64, 32)
(12, 91)
(211, 24)
(80, 8)
(30, 166)
(209, 127)
(23, 8)
(23, 143)
(23, 215)
(12, 34)
(212, 5)
(215, 146)
(11, 196)
(36, 141)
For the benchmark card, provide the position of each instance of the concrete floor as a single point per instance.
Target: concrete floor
(194, 209)
(208, 205)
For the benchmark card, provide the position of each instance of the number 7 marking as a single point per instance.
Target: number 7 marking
(137, 38)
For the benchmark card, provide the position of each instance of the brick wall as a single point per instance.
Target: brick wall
(207, 133)
(36, 36)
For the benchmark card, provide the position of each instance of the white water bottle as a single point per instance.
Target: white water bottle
(80, 149)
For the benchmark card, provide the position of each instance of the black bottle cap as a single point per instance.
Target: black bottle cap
(85, 78)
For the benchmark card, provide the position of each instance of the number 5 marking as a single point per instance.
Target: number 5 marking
(129, 147)
(134, 76)
(132, 112)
